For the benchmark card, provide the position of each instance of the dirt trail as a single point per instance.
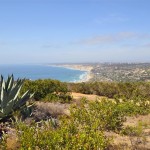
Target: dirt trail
(78, 96)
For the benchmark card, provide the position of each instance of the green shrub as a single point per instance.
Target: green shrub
(130, 108)
(83, 129)
(60, 97)
(103, 115)
(50, 88)
(127, 90)
(68, 136)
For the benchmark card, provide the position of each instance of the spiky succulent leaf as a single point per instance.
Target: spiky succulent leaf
(27, 111)
(8, 109)
(1, 115)
(9, 96)
(9, 82)
(22, 101)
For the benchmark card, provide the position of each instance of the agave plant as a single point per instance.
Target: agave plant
(10, 99)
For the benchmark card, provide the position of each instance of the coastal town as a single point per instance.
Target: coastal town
(113, 72)
(121, 72)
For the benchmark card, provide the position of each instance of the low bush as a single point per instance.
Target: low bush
(103, 115)
(69, 135)
(130, 107)
(127, 90)
(83, 129)
(48, 90)
(132, 131)
(60, 97)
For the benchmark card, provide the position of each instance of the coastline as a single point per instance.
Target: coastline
(86, 68)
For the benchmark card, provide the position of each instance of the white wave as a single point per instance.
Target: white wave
(82, 78)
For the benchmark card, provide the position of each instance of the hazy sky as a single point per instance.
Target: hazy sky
(46, 31)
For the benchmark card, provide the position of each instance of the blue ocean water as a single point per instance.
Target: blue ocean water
(35, 72)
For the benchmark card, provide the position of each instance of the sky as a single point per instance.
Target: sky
(74, 31)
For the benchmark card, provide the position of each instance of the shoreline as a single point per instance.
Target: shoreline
(85, 76)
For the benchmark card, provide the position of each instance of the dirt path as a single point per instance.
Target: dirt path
(78, 96)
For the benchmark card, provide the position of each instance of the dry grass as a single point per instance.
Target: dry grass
(124, 142)
(132, 121)
(78, 96)
(12, 142)
(46, 110)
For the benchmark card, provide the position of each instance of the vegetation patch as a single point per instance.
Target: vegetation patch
(57, 122)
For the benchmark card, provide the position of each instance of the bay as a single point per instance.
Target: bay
(34, 72)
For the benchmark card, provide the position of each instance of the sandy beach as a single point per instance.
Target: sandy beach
(87, 68)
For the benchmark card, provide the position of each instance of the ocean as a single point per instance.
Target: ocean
(34, 72)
